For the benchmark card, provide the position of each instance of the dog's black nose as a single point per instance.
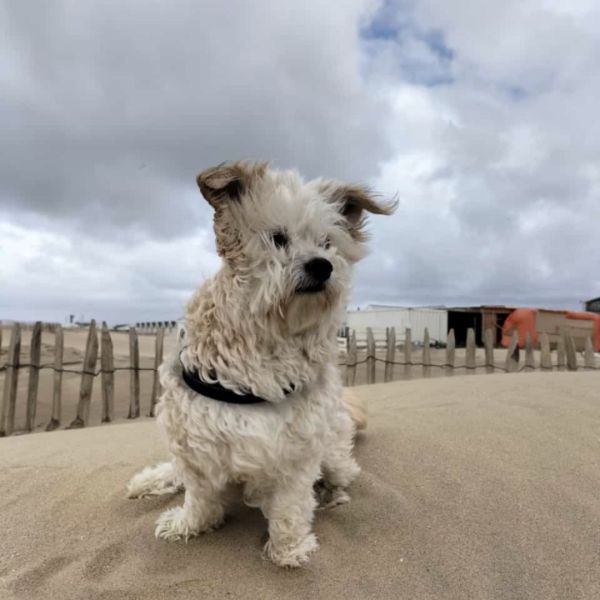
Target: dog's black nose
(319, 269)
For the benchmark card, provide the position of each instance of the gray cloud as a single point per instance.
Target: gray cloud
(113, 109)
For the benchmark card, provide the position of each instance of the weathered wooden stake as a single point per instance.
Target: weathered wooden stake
(34, 375)
(561, 360)
(107, 365)
(158, 356)
(407, 352)
(488, 342)
(385, 365)
(134, 378)
(426, 354)
(351, 360)
(390, 354)
(590, 359)
(87, 379)
(11, 379)
(529, 360)
(450, 351)
(470, 352)
(370, 356)
(546, 355)
(59, 344)
(511, 364)
(571, 352)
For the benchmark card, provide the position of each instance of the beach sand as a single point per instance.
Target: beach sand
(472, 488)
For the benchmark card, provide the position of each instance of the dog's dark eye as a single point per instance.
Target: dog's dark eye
(280, 239)
(326, 243)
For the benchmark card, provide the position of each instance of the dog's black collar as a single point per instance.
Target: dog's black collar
(216, 391)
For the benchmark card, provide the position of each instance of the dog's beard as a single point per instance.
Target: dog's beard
(310, 310)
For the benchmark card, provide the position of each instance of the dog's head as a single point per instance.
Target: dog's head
(290, 243)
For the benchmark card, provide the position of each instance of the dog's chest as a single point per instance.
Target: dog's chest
(253, 441)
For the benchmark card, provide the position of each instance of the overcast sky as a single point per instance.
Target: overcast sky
(481, 116)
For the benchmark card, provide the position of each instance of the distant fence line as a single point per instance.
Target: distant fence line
(154, 326)
(565, 349)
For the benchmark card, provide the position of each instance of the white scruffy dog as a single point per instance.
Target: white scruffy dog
(264, 325)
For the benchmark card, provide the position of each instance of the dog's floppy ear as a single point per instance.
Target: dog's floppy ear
(353, 201)
(229, 181)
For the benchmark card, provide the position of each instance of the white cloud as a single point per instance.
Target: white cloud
(50, 274)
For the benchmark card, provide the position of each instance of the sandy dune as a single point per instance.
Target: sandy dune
(472, 487)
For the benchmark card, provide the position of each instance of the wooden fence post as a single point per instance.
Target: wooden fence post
(59, 345)
(134, 378)
(450, 351)
(470, 352)
(407, 352)
(370, 356)
(11, 379)
(351, 359)
(488, 341)
(529, 361)
(107, 365)
(590, 359)
(87, 379)
(560, 354)
(511, 364)
(426, 354)
(34, 375)
(390, 354)
(571, 352)
(158, 356)
(546, 355)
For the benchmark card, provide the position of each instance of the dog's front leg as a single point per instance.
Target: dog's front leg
(202, 509)
(290, 511)
(339, 467)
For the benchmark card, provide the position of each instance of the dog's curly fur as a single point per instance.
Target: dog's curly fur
(263, 324)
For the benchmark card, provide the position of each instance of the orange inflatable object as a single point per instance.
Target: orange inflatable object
(523, 320)
(595, 318)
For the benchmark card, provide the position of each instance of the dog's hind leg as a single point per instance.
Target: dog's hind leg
(203, 508)
(155, 481)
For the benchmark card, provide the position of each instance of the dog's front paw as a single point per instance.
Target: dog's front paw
(173, 525)
(329, 496)
(294, 555)
(154, 481)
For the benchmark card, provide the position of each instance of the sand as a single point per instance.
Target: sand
(472, 487)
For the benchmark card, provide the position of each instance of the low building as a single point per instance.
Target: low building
(378, 318)
(593, 305)
(479, 318)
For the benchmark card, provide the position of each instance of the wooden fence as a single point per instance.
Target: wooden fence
(88, 373)
(400, 361)
(421, 364)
